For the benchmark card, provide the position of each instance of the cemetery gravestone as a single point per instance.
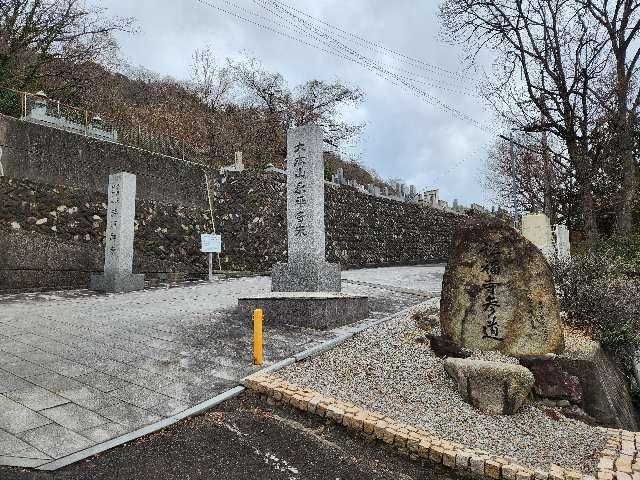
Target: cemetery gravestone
(306, 269)
(536, 228)
(563, 246)
(118, 255)
(498, 293)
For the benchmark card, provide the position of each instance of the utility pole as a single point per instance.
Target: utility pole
(514, 182)
(547, 206)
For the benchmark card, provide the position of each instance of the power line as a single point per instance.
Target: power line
(404, 82)
(339, 46)
(374, 44)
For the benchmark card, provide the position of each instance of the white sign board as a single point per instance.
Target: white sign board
(211, 243)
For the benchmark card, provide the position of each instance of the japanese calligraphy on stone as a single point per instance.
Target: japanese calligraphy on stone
(112, 228)
(490, 304)
(300, 190)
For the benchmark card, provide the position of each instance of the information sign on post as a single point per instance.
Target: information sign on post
(210, 244)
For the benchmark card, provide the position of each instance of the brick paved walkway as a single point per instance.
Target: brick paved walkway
(79, 368)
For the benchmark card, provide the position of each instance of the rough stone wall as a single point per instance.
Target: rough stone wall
(248, 209)
(48, 155)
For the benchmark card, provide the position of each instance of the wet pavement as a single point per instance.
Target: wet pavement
(79, 368)
(245, 439)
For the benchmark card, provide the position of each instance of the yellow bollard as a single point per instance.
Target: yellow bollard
(257, 336)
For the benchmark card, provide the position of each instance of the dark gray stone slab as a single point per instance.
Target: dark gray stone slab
(306, 277)
(121, 283)
(319, 310)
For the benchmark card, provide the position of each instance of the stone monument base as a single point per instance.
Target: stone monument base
(319, 310)
(306, 277)
(117, 283)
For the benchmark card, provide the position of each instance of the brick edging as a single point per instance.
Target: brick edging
(619, 459)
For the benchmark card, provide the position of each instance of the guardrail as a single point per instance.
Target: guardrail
(39, 108)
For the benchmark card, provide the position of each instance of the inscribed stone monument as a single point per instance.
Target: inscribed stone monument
(306, 269)
(118, 255)
(498, 293)
(306, 291)
(536, 228)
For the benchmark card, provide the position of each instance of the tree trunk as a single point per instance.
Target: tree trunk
(583, 177)
(624, 217)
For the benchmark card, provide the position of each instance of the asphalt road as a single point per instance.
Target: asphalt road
(244, 439)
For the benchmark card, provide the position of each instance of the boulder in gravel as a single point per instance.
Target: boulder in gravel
(495, 388)
(552, 381)
(498, 293)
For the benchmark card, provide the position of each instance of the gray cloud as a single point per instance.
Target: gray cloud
(406, 136)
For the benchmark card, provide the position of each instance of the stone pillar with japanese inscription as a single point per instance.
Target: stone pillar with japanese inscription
(307, 269)
(118, 261)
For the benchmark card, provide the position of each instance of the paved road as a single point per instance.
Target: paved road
(79, 368)
(244, 439)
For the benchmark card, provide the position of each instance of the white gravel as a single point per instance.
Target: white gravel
(385, 370)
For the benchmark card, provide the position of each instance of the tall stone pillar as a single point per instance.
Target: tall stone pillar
(536, 228)
(306, 269)
(118, 254)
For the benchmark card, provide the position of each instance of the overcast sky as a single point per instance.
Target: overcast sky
(406, 136)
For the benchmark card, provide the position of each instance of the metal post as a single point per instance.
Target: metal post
(257, 337)
(210, 255)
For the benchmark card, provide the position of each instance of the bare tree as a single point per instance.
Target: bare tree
(211, 83)
(549, 58)
(48, 42)
(315, 101)
(620, 21)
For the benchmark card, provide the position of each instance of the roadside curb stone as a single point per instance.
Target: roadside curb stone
(620, 459)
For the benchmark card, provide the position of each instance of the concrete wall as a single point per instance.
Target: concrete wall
(49, 155)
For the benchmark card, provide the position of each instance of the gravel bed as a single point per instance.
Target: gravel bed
(385, 370)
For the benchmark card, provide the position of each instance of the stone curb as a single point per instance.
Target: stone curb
(619, 460)
(408, 291)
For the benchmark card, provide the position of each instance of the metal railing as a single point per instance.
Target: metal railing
(39, 108)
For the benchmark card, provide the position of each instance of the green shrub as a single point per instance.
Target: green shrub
(10, 103)
(600, 293)
(625, 250)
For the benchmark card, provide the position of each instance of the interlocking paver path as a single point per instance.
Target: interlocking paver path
(79, 368)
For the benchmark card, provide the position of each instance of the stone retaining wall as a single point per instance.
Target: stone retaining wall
(55, 182)
(619, 460)
(249, 209)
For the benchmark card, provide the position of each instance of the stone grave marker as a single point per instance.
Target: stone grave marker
(307, 269)
(536, 228)
(118, 254)
(563, 246)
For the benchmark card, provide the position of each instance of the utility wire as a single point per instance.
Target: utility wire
(398, 80)
(377, 45)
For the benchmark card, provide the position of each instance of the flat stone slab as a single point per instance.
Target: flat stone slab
(318, 310)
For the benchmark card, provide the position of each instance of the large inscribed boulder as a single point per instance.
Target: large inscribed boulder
(498, 293)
